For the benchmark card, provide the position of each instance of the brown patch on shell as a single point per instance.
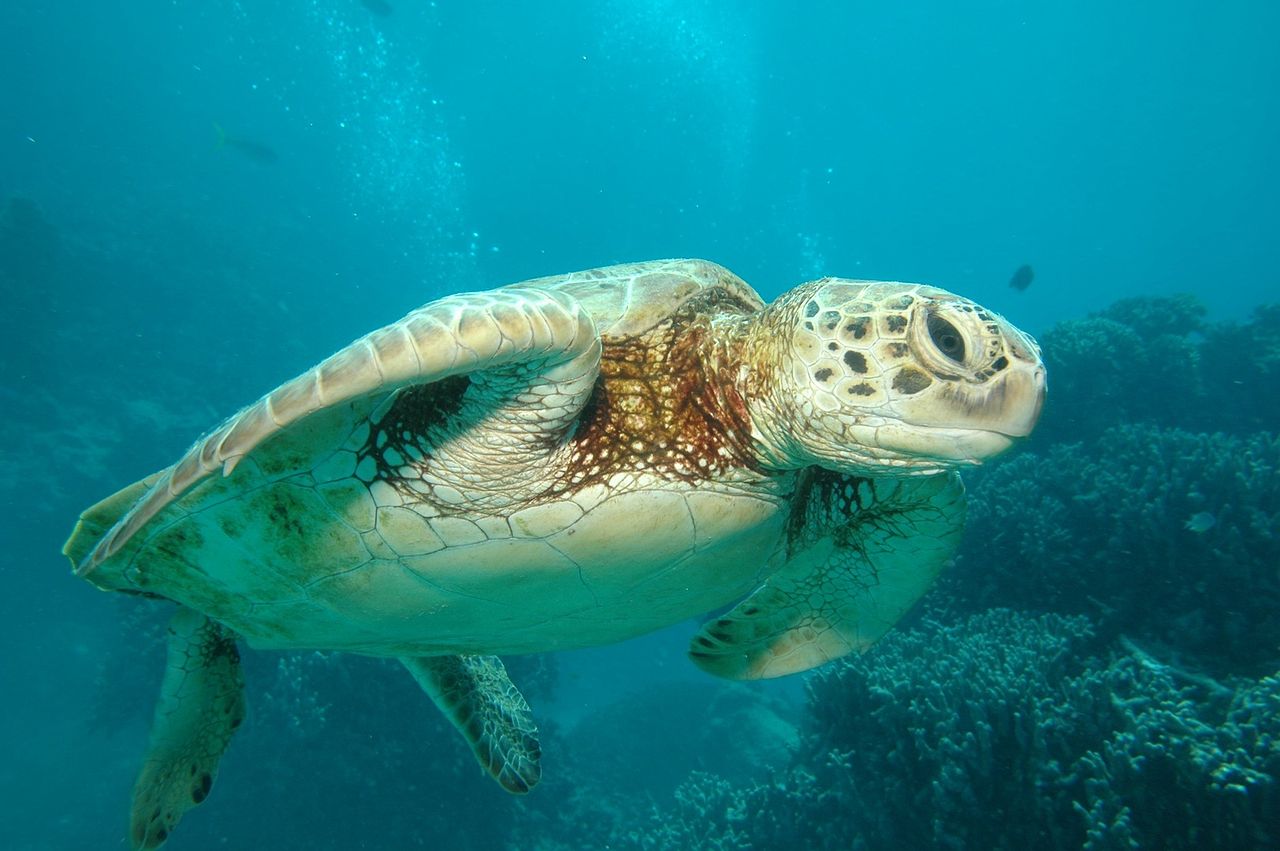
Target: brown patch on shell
(665, 403)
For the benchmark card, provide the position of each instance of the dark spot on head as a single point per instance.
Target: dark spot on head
(858, 327)
(236, 722)
(161, 835)
(808, 326)
(863, 389)
(811, 309)
(895, 323)
(749, 611)
(823, 374)
(856, 361)
(1000, 363)
(910, 381)
(898, 350)
(705, 642)
(903, 302)
(832, 346)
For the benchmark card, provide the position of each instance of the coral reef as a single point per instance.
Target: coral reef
(1105, 528)
(1002, 731)
(616, 764)
(729, 729)
(1243, 363)
(1157, 360)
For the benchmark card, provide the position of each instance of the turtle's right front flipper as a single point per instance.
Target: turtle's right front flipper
(201, 705)
(861, 553)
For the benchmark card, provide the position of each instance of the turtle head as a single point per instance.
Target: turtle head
(887, 377)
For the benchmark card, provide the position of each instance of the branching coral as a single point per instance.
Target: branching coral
(1242, 366)
(1001, 732)
(1158, 360)
(1103, 528)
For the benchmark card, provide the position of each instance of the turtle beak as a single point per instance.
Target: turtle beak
(1008, 405)
(1017, 401)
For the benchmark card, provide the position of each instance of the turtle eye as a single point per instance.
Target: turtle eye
(946, 337)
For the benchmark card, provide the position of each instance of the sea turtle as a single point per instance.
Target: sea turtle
(565, 462)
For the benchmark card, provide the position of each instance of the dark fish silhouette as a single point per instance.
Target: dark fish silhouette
(247, 148)
(1022, 278)
(379, 7)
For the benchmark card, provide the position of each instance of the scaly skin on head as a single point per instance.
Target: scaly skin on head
(885, 378)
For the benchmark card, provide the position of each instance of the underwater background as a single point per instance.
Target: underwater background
(199, 200)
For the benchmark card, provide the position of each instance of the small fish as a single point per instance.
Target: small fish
(248, 148)
(379, 7)
(1022, 278)
(1201, 522)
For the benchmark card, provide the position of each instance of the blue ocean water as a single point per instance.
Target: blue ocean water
(200, 200)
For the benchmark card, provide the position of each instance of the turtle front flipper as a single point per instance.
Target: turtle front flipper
(861, 552)
(542, 337)
(478, 697)
(201, 705)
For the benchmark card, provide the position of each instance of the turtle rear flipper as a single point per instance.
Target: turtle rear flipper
(201, 705)
(477, 696)
(863, 552)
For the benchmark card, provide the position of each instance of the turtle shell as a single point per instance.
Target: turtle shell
(372, 524)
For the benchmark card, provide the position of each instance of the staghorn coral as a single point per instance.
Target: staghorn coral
(1102, 528)
(1182, 768)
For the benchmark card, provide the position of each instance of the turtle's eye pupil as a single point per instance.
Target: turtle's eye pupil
(946, 338)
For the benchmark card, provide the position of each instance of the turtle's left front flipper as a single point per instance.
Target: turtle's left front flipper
(201, 705)
(860, 553)
(475, 693)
